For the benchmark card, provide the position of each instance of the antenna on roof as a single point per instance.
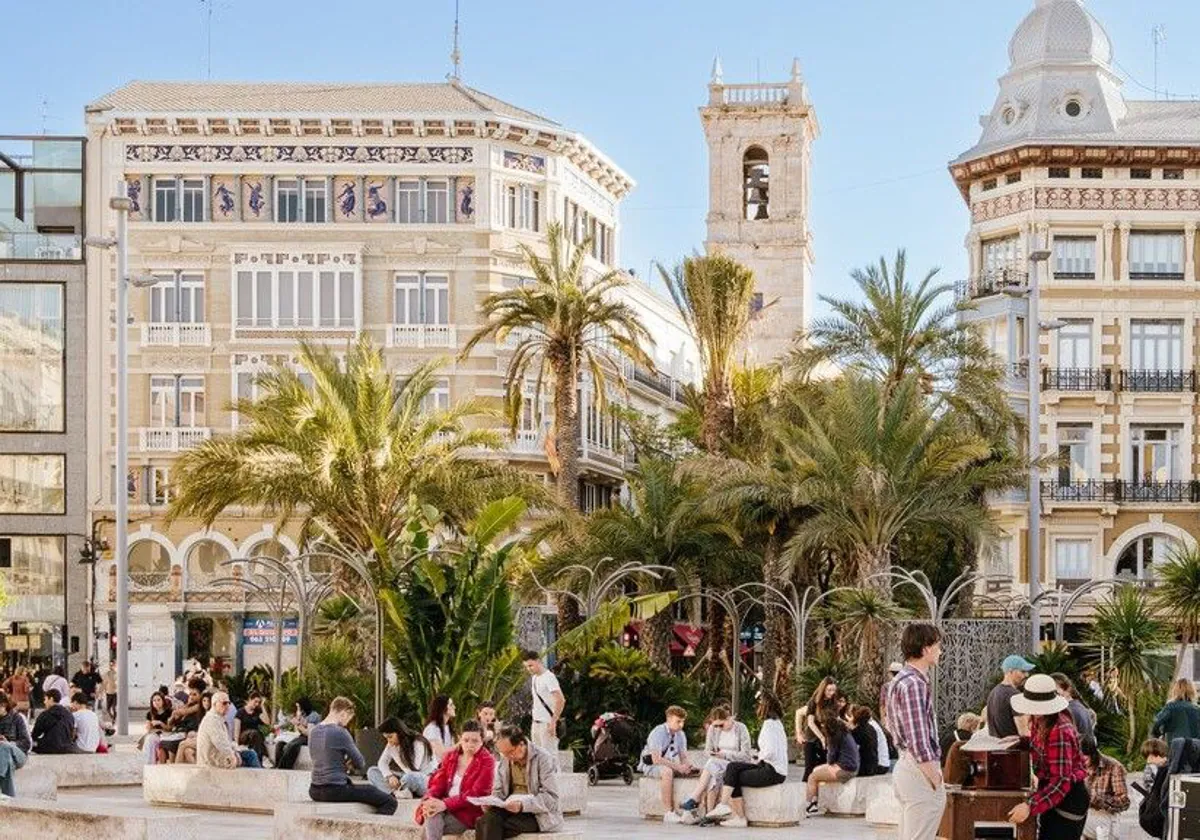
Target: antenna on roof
(207, 5)
(1159, 35)
(455, 55)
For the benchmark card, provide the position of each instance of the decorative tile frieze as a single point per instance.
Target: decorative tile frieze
(1120, 198)
(525, 163)
(1001, 206)
(294, 153)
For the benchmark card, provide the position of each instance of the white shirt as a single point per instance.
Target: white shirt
(435, 734)
(87, 730)
(60, 683)
(544, 686)
(727, 740)
(884, 759)
(392, 755)
(456, 785)
(773, 745)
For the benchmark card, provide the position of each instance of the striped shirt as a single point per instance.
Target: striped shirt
(910, 716)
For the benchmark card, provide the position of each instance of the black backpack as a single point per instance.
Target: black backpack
(1184, 757)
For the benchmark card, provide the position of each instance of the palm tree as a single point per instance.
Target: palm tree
(900, 331)
(862, 616)
(568, 323)
(1126, 628)
(714, 295)
(1177, 596)
(347, 455)
(663, 524)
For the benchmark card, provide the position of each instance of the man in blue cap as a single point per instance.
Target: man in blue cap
(1000, 717)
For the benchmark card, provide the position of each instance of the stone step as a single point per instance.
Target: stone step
(769, 807)
(93, 818)
(91, 769)
(242, 789)
(36, 783)
(331, 826)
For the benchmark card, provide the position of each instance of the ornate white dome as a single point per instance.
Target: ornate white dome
(1059, 31)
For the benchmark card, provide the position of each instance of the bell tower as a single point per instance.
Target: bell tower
(759, 155)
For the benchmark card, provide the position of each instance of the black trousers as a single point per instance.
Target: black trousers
(496, 824)
(743, 774)
(286, 754)
(384, 803)
(814, 757)
(1056, 825)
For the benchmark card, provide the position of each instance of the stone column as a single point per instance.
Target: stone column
(1107, 245)
(1189, 252)
(238, 619)
(180, 621)
(1123, 268)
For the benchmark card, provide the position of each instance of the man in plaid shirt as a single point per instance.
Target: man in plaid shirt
(918, 776)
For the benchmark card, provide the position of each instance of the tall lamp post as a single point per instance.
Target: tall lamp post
(121, 204)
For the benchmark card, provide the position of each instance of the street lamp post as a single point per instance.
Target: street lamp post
(1037, 257)
(121, 204)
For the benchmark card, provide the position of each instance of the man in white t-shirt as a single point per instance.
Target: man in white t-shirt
(87, 724)
(548, 702)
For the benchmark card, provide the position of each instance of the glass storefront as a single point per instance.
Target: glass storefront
(33, 484)
(34, 569)
(32, 360)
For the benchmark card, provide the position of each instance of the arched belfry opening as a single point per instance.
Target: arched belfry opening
(756, 183)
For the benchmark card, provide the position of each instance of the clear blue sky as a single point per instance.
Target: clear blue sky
(898, 86)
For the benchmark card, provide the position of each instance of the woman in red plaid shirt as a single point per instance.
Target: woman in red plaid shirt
(1061, 800)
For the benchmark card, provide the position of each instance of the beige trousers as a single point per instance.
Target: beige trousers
(921, 806)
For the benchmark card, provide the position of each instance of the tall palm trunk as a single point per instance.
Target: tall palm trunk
(656, 640)
(775, 637)
(566, 432)
(872, 657)
(718, 415)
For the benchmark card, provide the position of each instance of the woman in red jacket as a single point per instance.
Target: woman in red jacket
(466, 770)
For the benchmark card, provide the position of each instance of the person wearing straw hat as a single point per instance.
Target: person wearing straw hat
(1061, 800)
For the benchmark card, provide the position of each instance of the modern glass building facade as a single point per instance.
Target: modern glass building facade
(43, 410)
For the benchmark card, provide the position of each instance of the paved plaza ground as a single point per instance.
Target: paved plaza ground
(612, 815)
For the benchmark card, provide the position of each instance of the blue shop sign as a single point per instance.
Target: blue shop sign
(261, 631)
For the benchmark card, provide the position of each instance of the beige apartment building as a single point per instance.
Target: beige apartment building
(1111, 186)
(273, 213)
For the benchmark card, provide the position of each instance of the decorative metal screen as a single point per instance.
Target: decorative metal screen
(972, 649)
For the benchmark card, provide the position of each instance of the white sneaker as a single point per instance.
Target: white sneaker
(402, 793)
(672, 818)
(720, 812)
(734, 822)
(689, 818)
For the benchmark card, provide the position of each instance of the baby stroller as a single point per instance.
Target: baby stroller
(614, 743)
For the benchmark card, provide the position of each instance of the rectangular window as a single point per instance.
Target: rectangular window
(287, 200)
(438, 399)
(1073, 559)
(193, 199)
(1012, 178)
(314, 200)
(437, 299)
(345, 299)
(1074, 453)
(263, 281)
(32, 360)
(1075, 345)
(408, 202)
(437, 201)
(989, 184)
(166, 194)
(1156, 345)
(164, 401)
(158, 485)
(287, 299)
(177, 298)
(1172, 174)
(245, 298)
(1000, 254)
(522, 207)
(33, 484)
(1074, 257)
(35, 577)
(1140, 174)
(1156, 255)
(1155, 454)
(1060, 172)
(407, 299)
(304, 299)
(1092, 172)
(421, 299)
(191, 402)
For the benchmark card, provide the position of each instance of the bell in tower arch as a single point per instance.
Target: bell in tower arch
(756, 177)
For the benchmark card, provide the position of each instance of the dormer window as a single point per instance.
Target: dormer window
(756, 176)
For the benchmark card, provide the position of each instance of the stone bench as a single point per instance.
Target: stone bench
(329, 824)
(850, 799)
(566, 761)
(94, 818)
(35, 783)
(243, 789)
(91, 769)
(304, 760)
(776, 806)
(883, 808)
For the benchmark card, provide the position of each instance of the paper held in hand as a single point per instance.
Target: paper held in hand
(487, 801)
(982, 742)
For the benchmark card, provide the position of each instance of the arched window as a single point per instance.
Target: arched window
(756, 177)
(1140, 556)
(204, 563)
(149, 564)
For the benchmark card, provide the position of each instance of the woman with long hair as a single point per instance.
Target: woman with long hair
(485, 714)
(1180, 718)
(439, 725)
(808, 733)
(465, 772)
(158, 723)
(405, 763)
(771, 768)
(843, 762)
(1107, 791)
(1060, 802)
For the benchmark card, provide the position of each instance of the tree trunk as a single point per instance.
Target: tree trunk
(566, 433)
(569, 615)
(1185, 639)
(718, 417)
(776, 639)
(872, 657)
(716, 641)
(656, 640)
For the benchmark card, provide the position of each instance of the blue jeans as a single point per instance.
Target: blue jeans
(12, 758)
(250, 758)
(414, 783)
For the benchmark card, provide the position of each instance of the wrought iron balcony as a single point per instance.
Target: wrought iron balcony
(993, 282)
(1077, 379)
(1071, 584)
(1091, 490)
(1018, 370)
(1158, 492)
(1158, 381)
